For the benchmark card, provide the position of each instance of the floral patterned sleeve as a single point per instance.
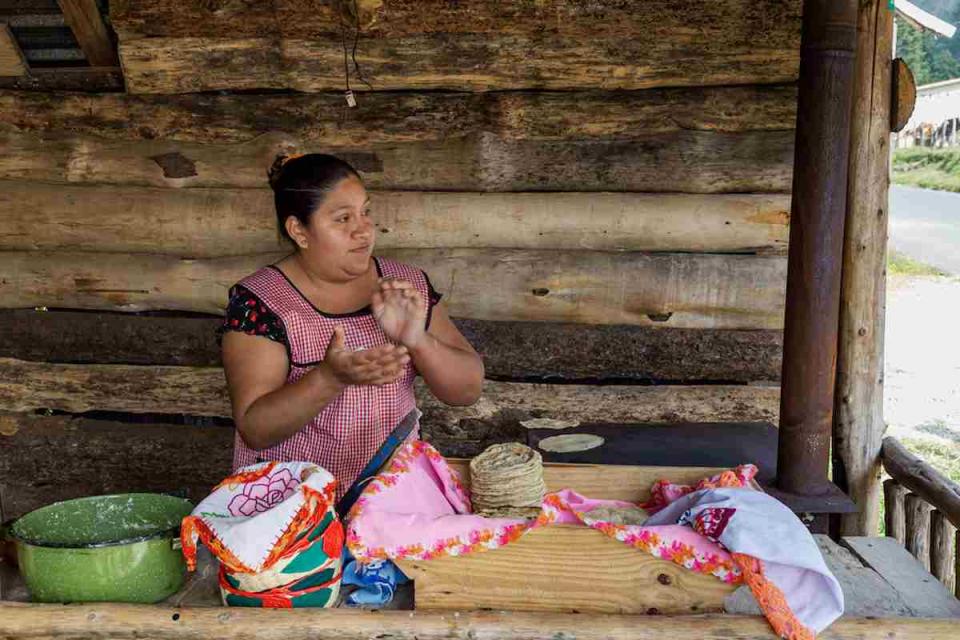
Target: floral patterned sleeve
(246, 313)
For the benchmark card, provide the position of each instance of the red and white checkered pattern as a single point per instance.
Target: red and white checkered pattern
(349, 430)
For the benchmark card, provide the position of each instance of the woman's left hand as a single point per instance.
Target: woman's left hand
(399, 309)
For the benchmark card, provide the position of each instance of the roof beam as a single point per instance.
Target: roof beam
(83, 17)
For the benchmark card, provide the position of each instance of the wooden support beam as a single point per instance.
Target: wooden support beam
(512, 351)
(942, 551)
(922, 479)
(894, 514)
(83, 17)
(665, 290)
(918, 528)
(12, 62)
(204, 223)
(128, 622)
(201, 391)
(828, 45)
(858, 399)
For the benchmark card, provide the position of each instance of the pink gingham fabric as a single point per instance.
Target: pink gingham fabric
(349, 430)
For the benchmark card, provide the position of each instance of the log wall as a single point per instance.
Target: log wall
(620, 199)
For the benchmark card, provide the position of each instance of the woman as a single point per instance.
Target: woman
(321, 349)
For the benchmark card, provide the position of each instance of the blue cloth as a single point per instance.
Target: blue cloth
(376, 582)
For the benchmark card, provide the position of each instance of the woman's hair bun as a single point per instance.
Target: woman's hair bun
(276, 169)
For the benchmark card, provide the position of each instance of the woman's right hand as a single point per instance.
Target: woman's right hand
(380, 365)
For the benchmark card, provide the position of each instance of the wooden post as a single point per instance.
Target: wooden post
(893, 515)
(918, 529)
(858, 404)
(83, 17)
(942, 554)
(828, 43)
(12, 62)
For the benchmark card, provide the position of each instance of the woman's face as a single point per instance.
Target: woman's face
(339, 240)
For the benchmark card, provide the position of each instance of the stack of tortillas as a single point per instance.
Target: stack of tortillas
(506, 481)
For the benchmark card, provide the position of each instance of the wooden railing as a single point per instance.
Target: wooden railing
(922, 511)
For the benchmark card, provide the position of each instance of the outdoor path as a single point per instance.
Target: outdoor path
(925, 225)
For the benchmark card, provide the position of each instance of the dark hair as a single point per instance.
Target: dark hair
(301, 182)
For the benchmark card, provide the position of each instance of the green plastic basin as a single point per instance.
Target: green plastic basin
(119, 548)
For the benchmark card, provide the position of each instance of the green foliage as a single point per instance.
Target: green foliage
(930, 57)
(927, 168)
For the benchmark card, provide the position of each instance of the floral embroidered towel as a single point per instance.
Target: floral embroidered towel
(251, 517)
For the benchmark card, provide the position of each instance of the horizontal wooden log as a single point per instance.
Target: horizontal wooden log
(684, 161)
(127, 622)
(403, 117)
(730, 22)
(675, 290)
(211, 223)
(518, 351)
(93, 79)
(96, 457)
(919, 477)
(201, 391)
(468, 61)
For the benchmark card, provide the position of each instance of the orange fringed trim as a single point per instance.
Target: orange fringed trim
(247, 476)
(771, 600)
(310, 514)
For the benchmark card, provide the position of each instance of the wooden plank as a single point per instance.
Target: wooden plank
(669, 290)
(97, 457)
(942, 551)
(97, 79)
(865, 593)
(512, 351)
(685, 161)
(917, 522)
(858, 424)
(28, 386)
(127, 622)
(730, 21)
(919, 477)
(921, 591)
(724, 52)
(12, 62)
(386, 117)
(84, 19)
(204, 223)
(894, 514)
(534, 574)
(903, 95)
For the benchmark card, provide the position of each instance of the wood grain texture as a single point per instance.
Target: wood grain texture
(212, 223)
(942, 551)
(922, 479)
(858, 424)
(201, 391)
(12, 62)
(84, 19)
(126, 622)
(545, 571)
(894, 515)
(406, 117)
(99, 457)
(923, 593)
(473, 46)
(669, 290)
(734, 22)
(512, 351)
(917, 527)
(685, 161)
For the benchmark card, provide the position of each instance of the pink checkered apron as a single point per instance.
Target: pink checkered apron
(349, 430)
